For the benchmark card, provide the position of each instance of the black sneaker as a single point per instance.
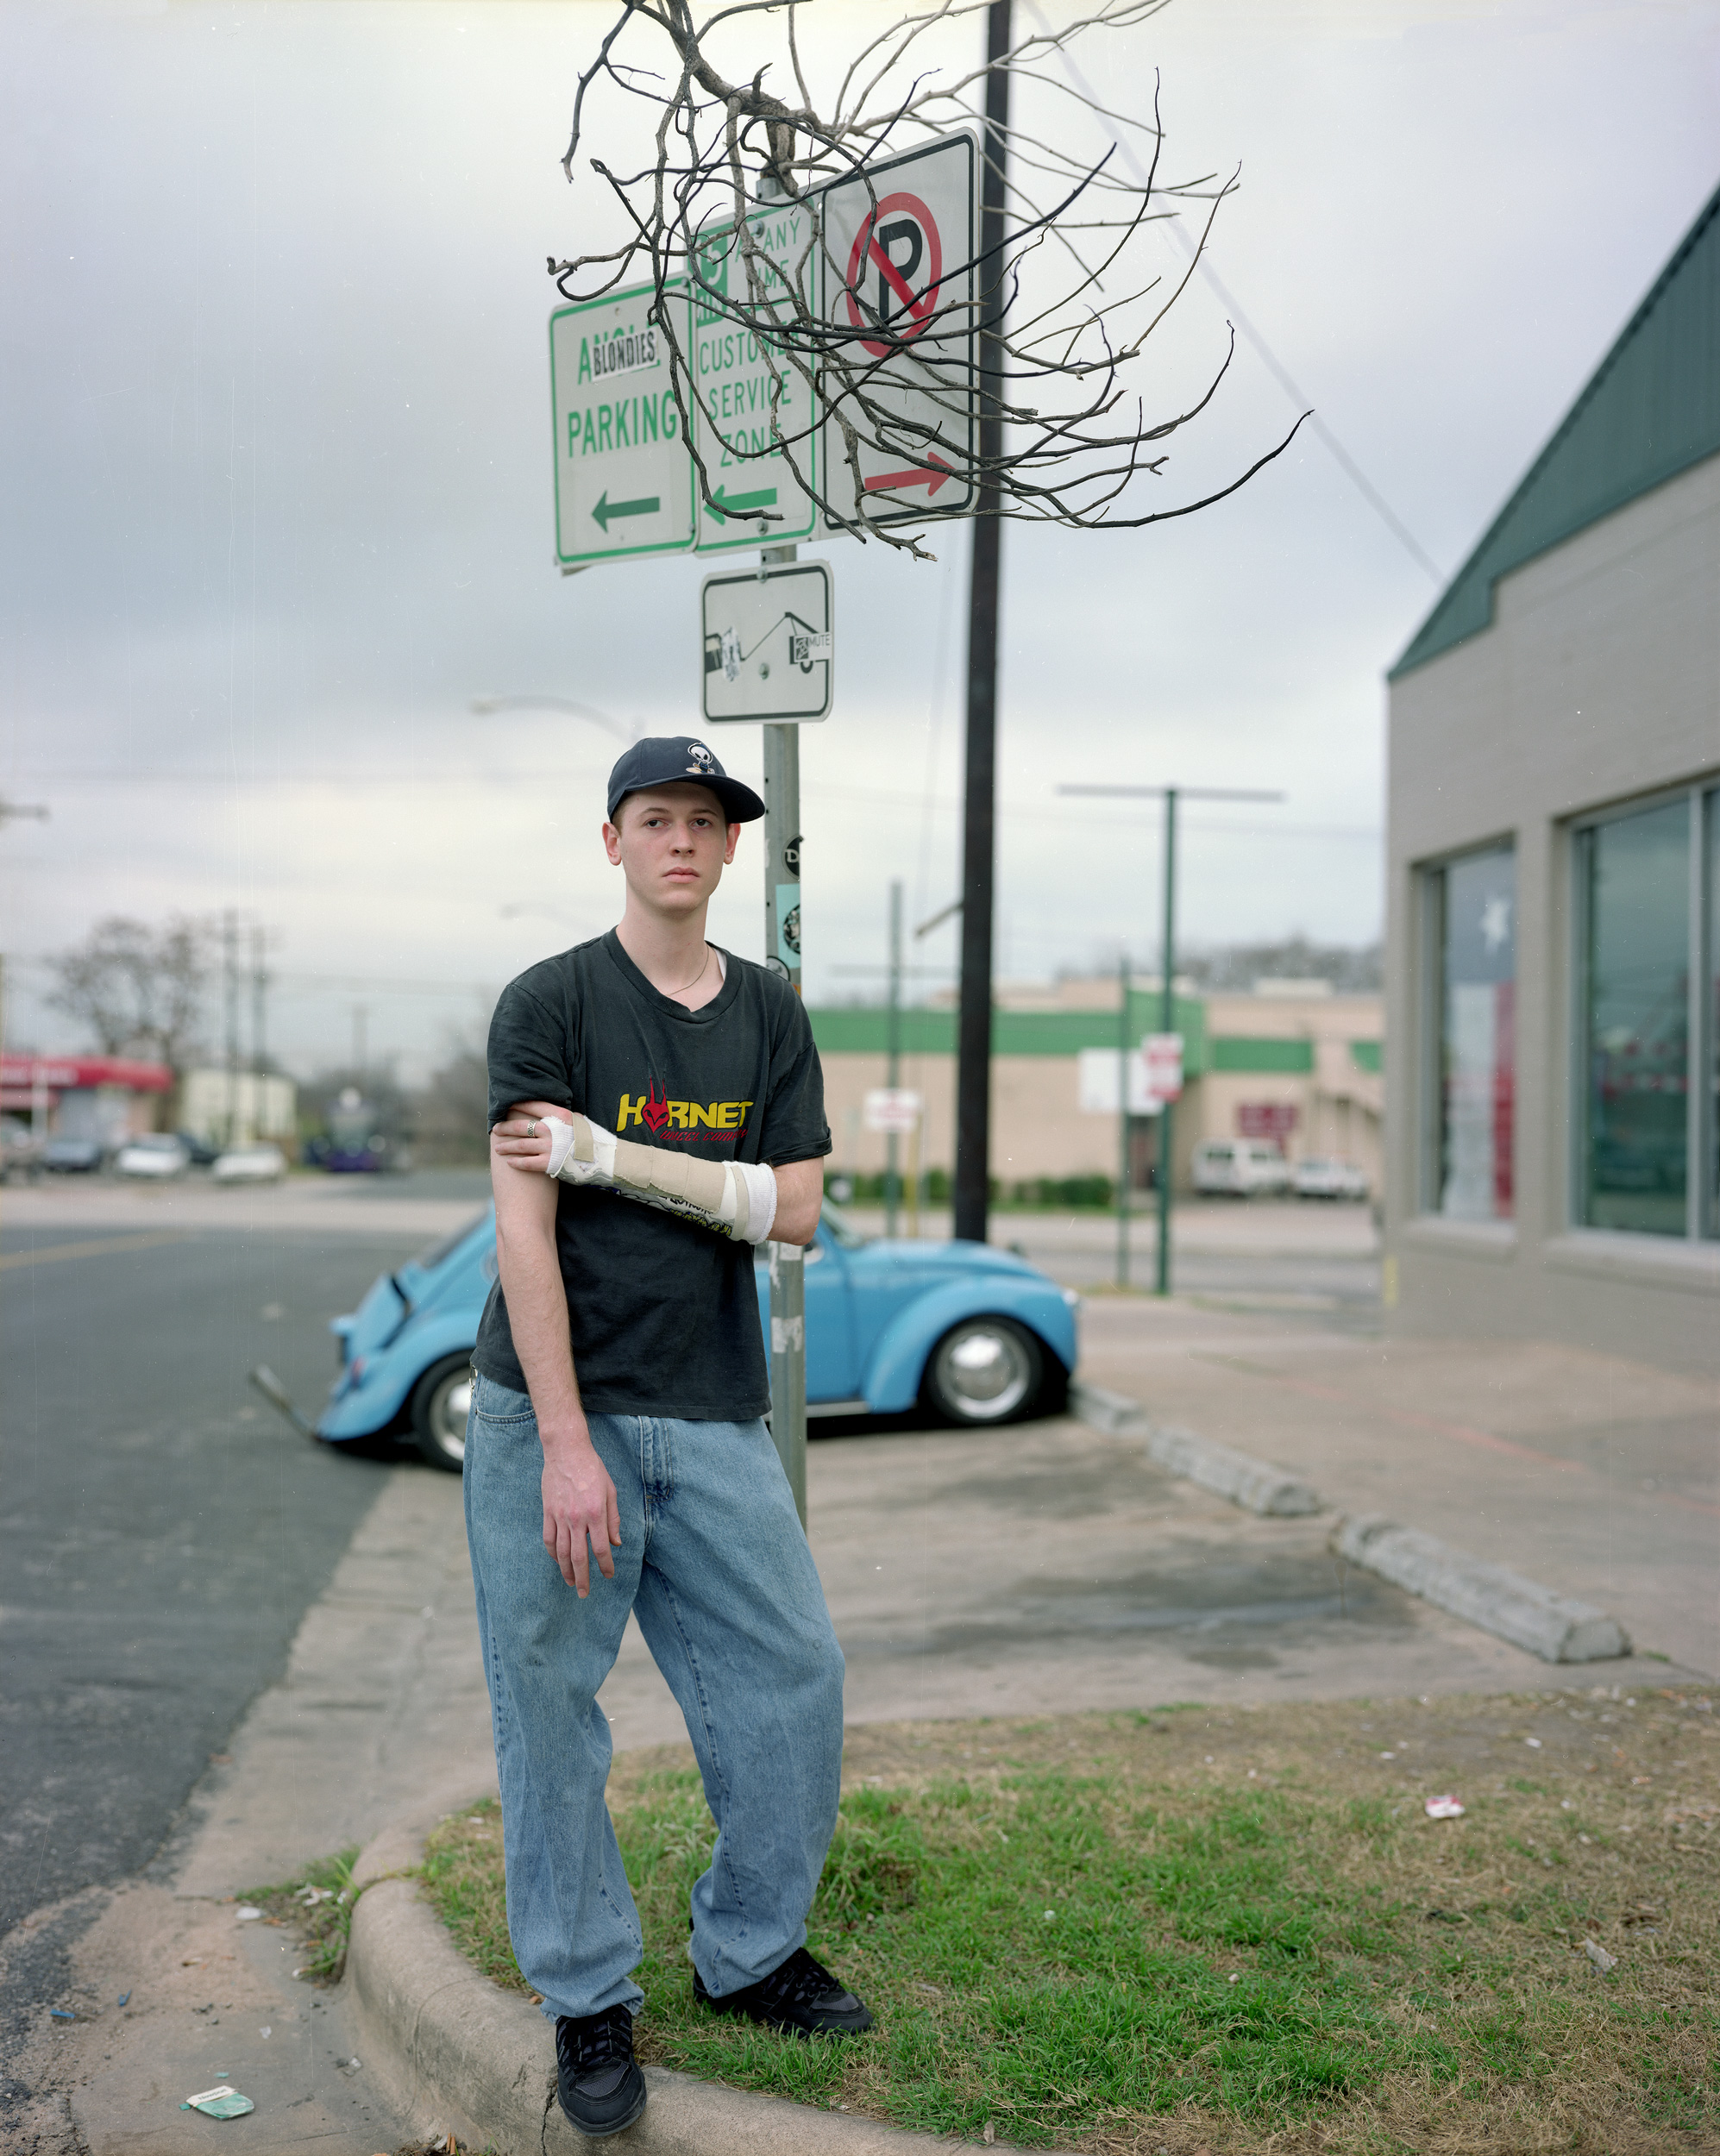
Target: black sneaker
(601, 2087)
(800, 1996)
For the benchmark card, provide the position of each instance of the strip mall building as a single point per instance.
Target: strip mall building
(1553, 878)
(1294, 1062)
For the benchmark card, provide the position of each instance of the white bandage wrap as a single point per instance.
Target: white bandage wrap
(734, 1197)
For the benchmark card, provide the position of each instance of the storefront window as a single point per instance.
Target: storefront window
(1712, 817)
(1477, 904)
(1637, 904)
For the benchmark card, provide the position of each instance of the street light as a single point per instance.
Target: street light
(1170, 795)
(485, 706)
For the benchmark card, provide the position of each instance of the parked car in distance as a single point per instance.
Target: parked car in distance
(1239, 1167)
(72, 1155)
(250, 1164)
(976, 1333)
(20, 1154)
(153, 1156)
(1333, 1179)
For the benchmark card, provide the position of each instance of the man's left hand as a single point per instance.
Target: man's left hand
(522, 1141)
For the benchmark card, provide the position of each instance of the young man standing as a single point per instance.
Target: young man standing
(656, 1108)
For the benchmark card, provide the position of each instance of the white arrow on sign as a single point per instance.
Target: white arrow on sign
(901, 299)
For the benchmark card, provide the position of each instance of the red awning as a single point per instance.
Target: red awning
(64, 1073)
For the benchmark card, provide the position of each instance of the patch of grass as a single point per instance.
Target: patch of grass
(1217, 1930)
(318, 1905)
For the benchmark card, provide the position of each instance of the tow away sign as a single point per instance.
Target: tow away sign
(623, 480)
(901, 296)
(770, 649)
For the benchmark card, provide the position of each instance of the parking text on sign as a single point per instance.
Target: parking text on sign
(623, 477)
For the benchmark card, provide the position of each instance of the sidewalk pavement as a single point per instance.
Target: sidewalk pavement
(1596, 1477)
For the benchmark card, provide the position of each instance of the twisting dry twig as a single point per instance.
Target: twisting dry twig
(849, 385)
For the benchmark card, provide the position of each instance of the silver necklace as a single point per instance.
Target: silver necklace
(697, 977)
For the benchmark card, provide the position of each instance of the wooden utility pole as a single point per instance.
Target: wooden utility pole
(979, 843)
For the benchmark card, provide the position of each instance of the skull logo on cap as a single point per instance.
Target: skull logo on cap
(700, 758)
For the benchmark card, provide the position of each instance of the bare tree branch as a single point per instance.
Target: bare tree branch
(701, 217)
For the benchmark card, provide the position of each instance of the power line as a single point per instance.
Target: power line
(1275, 366)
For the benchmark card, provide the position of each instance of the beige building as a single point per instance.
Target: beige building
(1554, 906)
(1292, 1060)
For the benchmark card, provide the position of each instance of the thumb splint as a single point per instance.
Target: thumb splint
(735, 1198)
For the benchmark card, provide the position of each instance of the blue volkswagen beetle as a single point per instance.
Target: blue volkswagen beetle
(976, 1334)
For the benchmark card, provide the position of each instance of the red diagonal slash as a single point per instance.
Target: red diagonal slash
(893, 277)
(916, 475)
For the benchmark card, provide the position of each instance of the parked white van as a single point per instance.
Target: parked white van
(1239, 1167)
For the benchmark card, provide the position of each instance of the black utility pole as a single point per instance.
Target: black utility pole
(973, 1082)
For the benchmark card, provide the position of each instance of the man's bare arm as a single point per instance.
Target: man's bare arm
(579, 1497)
(800, 1199)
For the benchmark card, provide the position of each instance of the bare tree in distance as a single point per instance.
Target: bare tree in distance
(1233, 969)
(138, 990)
(710, 207)
(451, 1115)
(1352, 969)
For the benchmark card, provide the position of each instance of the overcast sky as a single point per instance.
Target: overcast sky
(277, 487)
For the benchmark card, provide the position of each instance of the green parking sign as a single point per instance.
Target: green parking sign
(624, 480)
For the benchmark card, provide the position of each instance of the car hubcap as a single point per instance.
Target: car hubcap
(448, 1411)
(985, 1372)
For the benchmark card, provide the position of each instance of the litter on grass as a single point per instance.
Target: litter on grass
(219, 2103)
(1597, 1954)
(1443, 1807)
(62, 2014)
(123, 1999)
(247, 1916)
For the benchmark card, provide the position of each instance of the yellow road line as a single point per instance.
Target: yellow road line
(91, 1249)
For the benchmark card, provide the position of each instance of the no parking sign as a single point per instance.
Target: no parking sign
(902, 298)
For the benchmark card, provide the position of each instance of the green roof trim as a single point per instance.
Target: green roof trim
(1650, 411)
(1367, 1055)
(1289, 1058)
(860, 1029)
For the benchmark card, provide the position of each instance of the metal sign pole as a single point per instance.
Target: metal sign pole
(1124, 1163)
(782, 955)
(893, 1064)
(1167, 1024)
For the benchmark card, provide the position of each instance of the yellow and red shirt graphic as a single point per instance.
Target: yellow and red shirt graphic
(679, 1122)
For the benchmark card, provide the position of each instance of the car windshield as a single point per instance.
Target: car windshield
(445, 1245)
(154, 1142)
(842, 1229)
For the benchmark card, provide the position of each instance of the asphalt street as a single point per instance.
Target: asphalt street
(162, 1532)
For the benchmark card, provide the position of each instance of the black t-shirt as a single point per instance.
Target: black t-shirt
(664, 1313)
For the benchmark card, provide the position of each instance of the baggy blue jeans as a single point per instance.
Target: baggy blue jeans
(714, 1563)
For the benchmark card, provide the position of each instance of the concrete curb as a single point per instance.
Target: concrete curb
(456, 2052)
(1553, 1627)
(1256, 1485)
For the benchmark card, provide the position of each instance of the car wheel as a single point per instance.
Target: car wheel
(440, 1403)
(984, 1370)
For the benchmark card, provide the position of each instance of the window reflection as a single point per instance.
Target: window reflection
(1712, 817)
(1637, 873)
(1478, 1045)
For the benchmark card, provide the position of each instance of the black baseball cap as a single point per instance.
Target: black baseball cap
(662, 759)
